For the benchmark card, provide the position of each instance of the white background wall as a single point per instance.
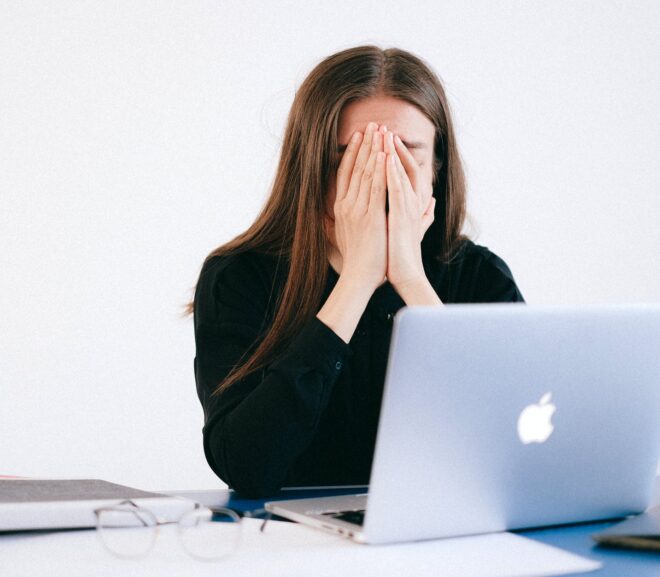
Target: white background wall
(137, 136)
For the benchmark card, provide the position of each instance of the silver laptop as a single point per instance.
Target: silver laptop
(506, 416)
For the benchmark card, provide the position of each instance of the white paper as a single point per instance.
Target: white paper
(63, 514)
(291, 550)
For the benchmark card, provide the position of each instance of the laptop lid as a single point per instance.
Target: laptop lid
(505, 415)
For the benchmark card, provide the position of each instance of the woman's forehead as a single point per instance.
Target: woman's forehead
(399, 116)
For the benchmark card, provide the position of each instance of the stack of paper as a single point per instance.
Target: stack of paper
(70, 503)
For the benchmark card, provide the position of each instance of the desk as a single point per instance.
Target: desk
(78, 553)
(574, 538)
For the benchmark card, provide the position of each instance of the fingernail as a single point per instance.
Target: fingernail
(356, 136)
(371, 126)
(397, 139)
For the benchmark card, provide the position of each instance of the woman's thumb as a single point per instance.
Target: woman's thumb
(428, 216)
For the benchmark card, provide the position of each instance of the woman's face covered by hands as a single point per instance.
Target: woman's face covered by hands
(416, 131)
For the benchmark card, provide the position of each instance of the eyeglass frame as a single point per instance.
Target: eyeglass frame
(160, 521)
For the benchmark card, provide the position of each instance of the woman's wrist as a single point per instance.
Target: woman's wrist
(345, 305)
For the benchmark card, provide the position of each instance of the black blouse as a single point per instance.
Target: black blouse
(310, 417)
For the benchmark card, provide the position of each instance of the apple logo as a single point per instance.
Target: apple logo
(534, 424)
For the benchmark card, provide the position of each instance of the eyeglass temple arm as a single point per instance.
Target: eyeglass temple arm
(266, 519)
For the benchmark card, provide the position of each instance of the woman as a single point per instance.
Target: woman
(293, 317)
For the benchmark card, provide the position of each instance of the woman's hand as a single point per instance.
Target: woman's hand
(411, 212)
(360, 226)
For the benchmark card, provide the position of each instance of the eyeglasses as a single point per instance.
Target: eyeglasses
(129, 531)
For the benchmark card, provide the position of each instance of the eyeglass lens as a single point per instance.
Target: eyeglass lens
(127, 532)
(210, 535)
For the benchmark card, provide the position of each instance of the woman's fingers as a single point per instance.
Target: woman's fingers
(362, 200)
(406, 183)
(403, 175)
(411, 198)
(389, 143)
(379, 185)
(408, 160)
(394, 186)
(360, 163)
(347, 163)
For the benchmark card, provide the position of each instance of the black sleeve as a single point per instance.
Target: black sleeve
(255, 430)
(495, 282)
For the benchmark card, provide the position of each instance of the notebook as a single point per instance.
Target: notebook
(29, 504)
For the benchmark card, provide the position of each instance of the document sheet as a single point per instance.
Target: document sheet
(291, 550)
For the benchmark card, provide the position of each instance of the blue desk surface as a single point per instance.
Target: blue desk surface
(574, 538)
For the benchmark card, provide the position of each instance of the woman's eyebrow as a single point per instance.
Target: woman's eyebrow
(413, 144)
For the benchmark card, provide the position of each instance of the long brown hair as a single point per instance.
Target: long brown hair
(298, 194)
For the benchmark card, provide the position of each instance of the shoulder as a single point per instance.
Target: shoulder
(237, 280)
(237, 267)
(487, 260)
(483, 275)
(470, 254)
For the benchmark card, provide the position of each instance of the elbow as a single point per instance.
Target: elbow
(250, 488)
(233, 465)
